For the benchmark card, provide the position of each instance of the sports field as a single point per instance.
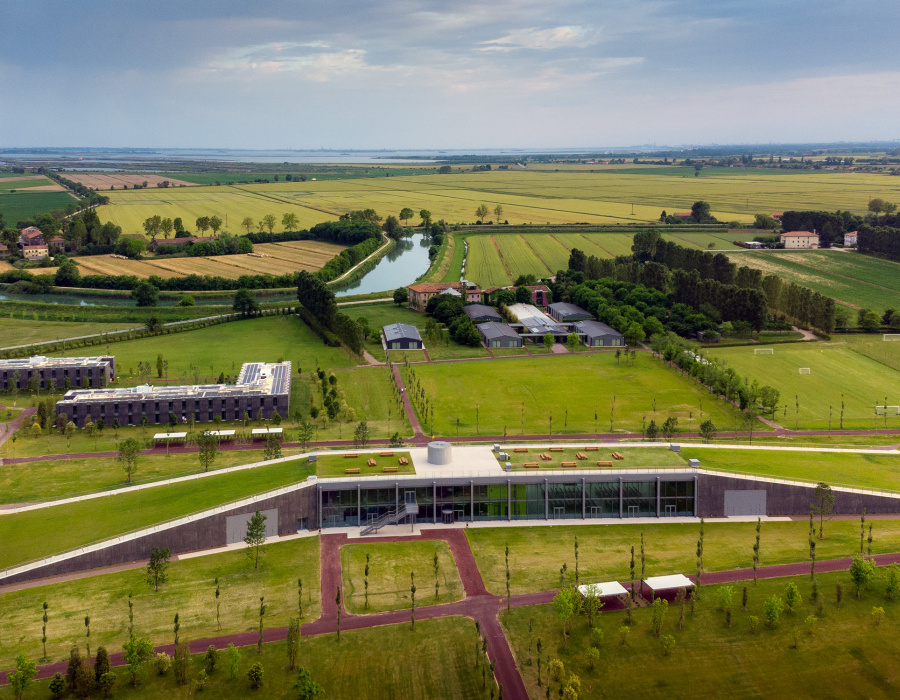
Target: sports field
(266, 259)
(837, 374)
(860, 281)
(508, 393)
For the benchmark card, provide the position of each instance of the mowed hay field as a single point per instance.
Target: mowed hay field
(611, 195)
(29, 183)
(859, 281)
(103, 181)
(506, 392)
(837, 374)
(279, 259)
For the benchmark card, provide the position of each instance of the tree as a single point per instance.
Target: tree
(157, 567)
(708, 431)
(481, 212)
(106, 683)
(304, 434)
(293, 642)
(215, 223)
(44, 630)
(564, 606)
(269, 222)
(792, 597)
(245, 303)
(136, 652)
(289, 221)
(247, 223)
(166, 225)
(305, 686)
(361, 435)
(202, 224)
(145, 294)
(523, 295)
(392, 227)
(262, 614)
(129, 454)
(651, 431)
(273, 447)
(892, 583)
(498, 212)
(57, 686)
(209, 446)
(425, 215)
(862, 572)
(256, 537)
(773, 607)
(634, 334)
(700, 212)
(548, 340)
(670, 427)
(22, 678)
(401, 296)
(234, 660)
(412, 594)
(101, 662)
(823, 504)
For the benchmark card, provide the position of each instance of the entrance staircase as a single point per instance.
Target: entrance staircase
(409, 509)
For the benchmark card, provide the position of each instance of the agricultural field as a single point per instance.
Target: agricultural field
(575, 391)
(822, 649)
(19, 206)
(267, 258)
(859, 281)
(106, 181)
(29, 183)
(17, 331)
(838, 375)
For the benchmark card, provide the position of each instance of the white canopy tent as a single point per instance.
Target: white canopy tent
(660, 584)
(604, 590)
(169, 437)
(262, 432)
(221, 434)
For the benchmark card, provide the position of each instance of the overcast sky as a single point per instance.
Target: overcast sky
(423, 74)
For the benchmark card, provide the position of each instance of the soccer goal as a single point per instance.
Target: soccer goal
(804, 370)
(763, 351)
(887, 410)
(891, 336)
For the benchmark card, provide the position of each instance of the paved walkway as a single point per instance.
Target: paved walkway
(418, 434)
(16, 423)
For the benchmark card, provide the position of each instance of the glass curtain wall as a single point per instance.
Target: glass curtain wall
(676, 498)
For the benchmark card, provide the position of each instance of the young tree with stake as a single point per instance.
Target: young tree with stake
(255, 539)
(157, 568)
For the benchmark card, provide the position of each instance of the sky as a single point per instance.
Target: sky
(420, 74)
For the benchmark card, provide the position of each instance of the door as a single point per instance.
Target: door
(670, 511)
(632, 511)
(596, 512)
(559, 512)
(409, 497)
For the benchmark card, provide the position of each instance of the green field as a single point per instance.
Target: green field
(881, 471)
(433, 661)
(837, 374)
(336, 465)
(845, 655)
(536, 554)
(532, 390)
(19, 331)
(19, 206)
(390, 565)
(860, 281)
(189, 592)
(887, 352)
(37, 181)
(64, 527)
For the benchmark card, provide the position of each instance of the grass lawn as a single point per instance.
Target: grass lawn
(19, 331)
(334, 465)
(390, 565)
(190, 591)
(451, 350)
(634, 457)
(524, 395)
(223, 348)
(537, 553)
(432, 661)
(887, 352)
(71, 525)
(402, 356)
(383, 313)
(508, 352)
(841, 469)
(837, 374)
(845, 656)
(8, 414)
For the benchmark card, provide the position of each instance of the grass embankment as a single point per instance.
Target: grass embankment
(335, 465)
(841, 469)
(433, 661)
(845, 655)
(634, 457)
(604, 551)
(190, 592)
(839, 379)
(523, 395)
(390, 565)
(64, 527)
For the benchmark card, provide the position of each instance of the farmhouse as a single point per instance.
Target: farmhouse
(597, 334)
(562, 312)
(850, 239)
(479, 313)
(419, 294)
(800, 240)
(54, 371)
(499, 335)
(4, 251)
(264, 387)
(401, 336)
(32, 244)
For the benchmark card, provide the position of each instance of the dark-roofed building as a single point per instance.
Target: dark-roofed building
(499, 335)
(479, 313)
(562, 312)
(401, 336)
(54, 371)
(597, 334)
(260, 387)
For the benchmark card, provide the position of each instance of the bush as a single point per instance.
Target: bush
(107, 682)
(162, 662)
(792, 597)
(773, 608)
(556, 669)
(255, 675)
(877, 614)
(753, 620)
(667, 642)
(596, 637)
(593, 658)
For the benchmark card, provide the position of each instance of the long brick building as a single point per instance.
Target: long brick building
(54, 371)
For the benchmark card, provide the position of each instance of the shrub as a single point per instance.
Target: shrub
(753, 620)
(211, 658)
(255, 675)
(667, 642)
(792, 597)
(162, 663)
(724, 595)
(773, 607)
(556, 669)
(201, 680)
(877, 614)
(596, 637)
(624, 631)
(57, 686)
(234, 660)
(180, 662)
(107, 682)
(593, 658)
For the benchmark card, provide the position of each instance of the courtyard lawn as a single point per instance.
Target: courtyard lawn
(331, 466)
(190, 592)
(837, 375)
(432, 661)
(31, 482)
(203, 354)
(532, 395)
(633, 457)
(836, 469)
(64, 527)
(399, 357)
(509, 352)
(604, 551)
(451, 350)
(383, 313)
(844, 654)
(390, 565)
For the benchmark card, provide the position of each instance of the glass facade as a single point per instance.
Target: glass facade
(449, 503)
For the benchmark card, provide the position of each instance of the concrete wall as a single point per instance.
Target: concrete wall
(785, 499)
(204, 533)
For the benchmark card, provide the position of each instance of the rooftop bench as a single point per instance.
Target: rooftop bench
(618, 455)
(570, 464)
(352, 470)
(520, 449)
(544, 456)
(389, 469)
(531, 465)
(402, 461)
(386, 454)
(580, 455)
(602, 463)
(351, 455)
(595, 448)
(557, 449)
(372, 463)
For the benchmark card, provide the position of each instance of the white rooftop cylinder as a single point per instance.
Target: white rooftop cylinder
(439, 452)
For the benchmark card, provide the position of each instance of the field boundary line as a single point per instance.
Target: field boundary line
(531, 248)
(502, 259)
(597, 245)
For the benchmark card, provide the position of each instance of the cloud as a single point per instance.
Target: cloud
(543, 39)
(314, 60)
